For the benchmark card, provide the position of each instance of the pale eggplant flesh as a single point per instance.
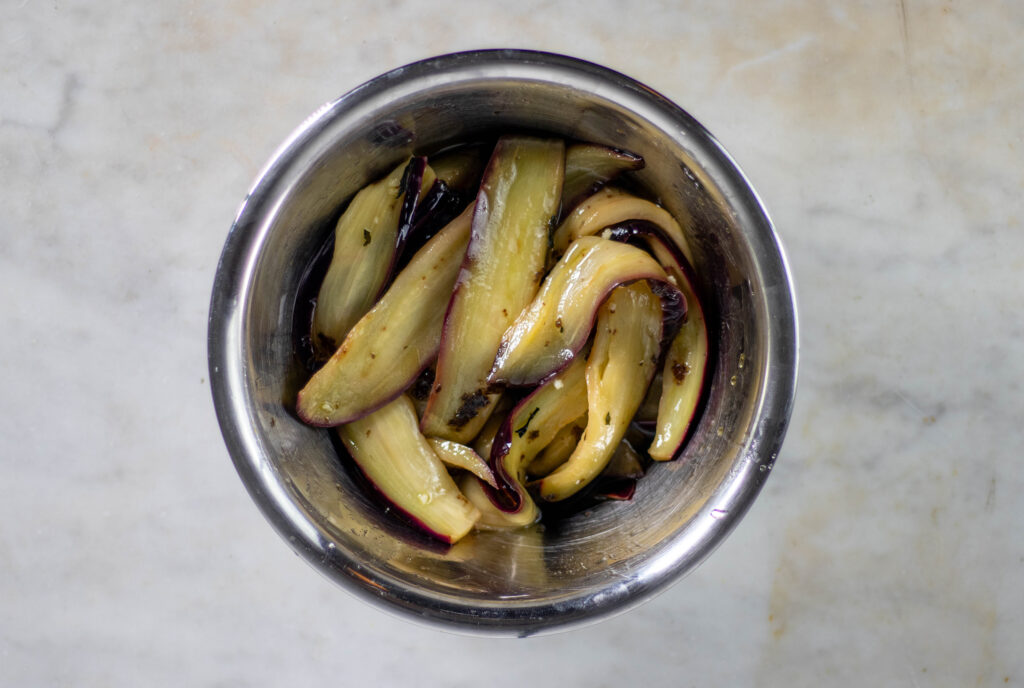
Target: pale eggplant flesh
(457, 455)
(504, 264)
(396, 458)
(395, 341)
(530, 427)
(556, 325)
(589, 166)
(367, 241)
(623, 357)
(683, 376)
(609, 207)
(558, 450)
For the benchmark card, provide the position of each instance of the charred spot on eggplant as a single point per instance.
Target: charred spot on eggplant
(679, 372)
(421, 388)
(472, 403)
(522, 431)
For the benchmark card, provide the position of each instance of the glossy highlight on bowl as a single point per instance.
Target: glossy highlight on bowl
(574, 570)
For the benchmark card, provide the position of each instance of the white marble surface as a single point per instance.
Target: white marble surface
(886, 138)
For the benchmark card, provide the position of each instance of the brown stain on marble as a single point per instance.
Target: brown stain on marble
(843, 595)
(903, 75)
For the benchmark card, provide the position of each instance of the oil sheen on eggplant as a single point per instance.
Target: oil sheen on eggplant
(538, 431)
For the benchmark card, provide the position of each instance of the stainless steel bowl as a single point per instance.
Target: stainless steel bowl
(595, 563)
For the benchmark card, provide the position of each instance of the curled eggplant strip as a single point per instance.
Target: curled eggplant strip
(682, 384)
(366, 246)
(397, 459)
(556, 325)
(500, 275)
(612, 207)
(620, 366)
(460, 456)
(491, 517)
(530, 427)
(392, 344)
(683, 374)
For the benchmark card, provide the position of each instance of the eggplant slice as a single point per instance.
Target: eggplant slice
(503, 267)
(392, 344)
(460, 456)
(683, 374)
(622, 361)
(367, 242)
(611, 207)
(530, 427)
(397, 459)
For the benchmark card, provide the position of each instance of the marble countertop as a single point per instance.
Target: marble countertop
(886, 140)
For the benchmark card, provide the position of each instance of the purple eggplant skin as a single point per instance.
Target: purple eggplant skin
(439, 206)
(655, 238)
(673, 309)
(508, 495)
(411, 187)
